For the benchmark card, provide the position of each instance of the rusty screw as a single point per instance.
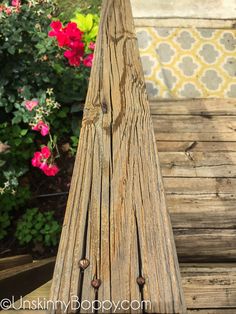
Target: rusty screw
(84, 263)
(141, 281)
(96, 283)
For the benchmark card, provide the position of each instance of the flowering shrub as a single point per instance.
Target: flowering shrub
(41, 91)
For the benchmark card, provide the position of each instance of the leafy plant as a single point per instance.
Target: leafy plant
(38, 227)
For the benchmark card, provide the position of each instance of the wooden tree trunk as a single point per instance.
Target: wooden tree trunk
(116, 219)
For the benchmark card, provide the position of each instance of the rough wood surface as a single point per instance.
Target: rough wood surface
(202, 212)
(116, 215)
(20, 280)
(208, 288)
(198, 164)
(184, 23)
(9, 262)
(192, 128)
(204, 107)
(196, 146)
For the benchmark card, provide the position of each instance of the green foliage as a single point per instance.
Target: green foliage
(87, 24)
(31, 63)
(68, 7)
(10, 203)
(38, 227)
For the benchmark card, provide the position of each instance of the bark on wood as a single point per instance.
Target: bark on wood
(116, 215)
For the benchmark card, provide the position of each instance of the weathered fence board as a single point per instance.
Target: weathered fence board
(116, 215)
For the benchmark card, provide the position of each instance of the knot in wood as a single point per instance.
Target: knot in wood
(141, 281)
(96, 283)
(104, 107)
(84, 263)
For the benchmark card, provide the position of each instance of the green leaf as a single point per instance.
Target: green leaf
(93, 33)
(23, 132)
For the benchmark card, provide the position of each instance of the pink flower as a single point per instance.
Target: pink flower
(8, 11)
(40, 158)
(15, 3)
(69, 37)
(88, 61)
(31, 104)
(51, 170)
(92, 46)
(42, 127)
(46, 152)
(36, 161)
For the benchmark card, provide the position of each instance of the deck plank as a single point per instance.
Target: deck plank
(208, 288)
(202, 107)
(198, 164)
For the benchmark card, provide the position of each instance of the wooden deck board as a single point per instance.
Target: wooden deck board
(196, 140)
(207, 287)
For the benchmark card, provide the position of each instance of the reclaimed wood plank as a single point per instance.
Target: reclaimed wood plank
(193, 211)
(196, 146)
(20, 280)
(210, 288)
(208, 245)
(184, 23)
(194, 128)
(116, 214)
(13, 261)
(201, 107)
(198, 164)
(201, 186)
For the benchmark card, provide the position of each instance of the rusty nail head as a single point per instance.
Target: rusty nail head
(84, 263)
(140, 281)
(96, 283)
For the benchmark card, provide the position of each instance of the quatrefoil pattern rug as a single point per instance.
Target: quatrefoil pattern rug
(188, 62)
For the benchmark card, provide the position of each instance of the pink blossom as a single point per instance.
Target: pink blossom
(51, 170)
(8, 11)
(40, 158)
(88, 61)
(46, 152)
(15, 3)
(42, 127)
(92, 46)
(31, 104)
(36, 161)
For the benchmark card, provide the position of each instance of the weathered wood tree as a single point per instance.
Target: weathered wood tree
(117, 242)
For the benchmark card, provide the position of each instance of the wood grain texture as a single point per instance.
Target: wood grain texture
(13, 261)
(196, 146)
(20, 280)
(116, 214)
(201, 107)
(206, 245)
(194, 128)
(202, 211)
(221, 187)
(198, 164)
(209, 288)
